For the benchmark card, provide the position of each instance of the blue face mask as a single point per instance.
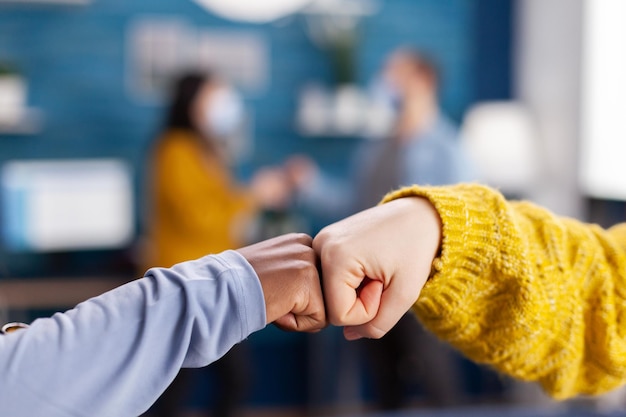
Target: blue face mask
(224, 114)
(386, 93)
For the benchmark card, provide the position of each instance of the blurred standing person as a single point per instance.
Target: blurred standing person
(422, 148)
(198, 207)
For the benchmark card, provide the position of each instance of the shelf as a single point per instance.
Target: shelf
(51, 2)
(29, 123)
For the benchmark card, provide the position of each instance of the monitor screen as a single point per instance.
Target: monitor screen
(61, 205)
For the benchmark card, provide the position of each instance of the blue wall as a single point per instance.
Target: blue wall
(74, 59)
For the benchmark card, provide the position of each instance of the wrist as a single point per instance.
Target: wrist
(285, 267)
(424, 215)
(251, 257)
(273, 308)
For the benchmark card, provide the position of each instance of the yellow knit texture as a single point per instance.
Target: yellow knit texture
(539, 297)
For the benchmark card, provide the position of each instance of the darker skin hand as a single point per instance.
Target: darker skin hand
(286, 267)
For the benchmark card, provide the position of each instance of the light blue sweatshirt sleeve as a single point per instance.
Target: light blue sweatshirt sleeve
(113, 355)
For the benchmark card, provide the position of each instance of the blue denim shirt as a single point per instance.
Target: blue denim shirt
(433, 157)
(436, 157)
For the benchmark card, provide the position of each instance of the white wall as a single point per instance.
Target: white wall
(548, 68)
(603, 133)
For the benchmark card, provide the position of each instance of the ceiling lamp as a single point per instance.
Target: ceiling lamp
(257, 11)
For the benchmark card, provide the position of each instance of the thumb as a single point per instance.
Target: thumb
(394, 303)
(369, 294)
(350, 297)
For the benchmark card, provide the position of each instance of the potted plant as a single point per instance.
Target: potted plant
(12, 94)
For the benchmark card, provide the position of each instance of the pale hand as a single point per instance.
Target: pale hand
(271, 188)
(375, 263)
(286, 267)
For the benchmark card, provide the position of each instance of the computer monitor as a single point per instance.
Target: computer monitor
(65, 205)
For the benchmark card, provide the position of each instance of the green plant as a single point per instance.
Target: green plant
(7, 68)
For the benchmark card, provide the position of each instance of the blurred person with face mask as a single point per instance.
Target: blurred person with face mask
(423, 147)
(199, 208)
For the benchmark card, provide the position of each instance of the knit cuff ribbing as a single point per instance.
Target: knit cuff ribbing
(469, 240)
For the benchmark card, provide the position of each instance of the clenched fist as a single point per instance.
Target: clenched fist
(286, 267)
(375, 263)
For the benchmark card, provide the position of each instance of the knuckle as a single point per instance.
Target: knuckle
(335, 321)
(308, 255)
(333, 252)
(303, 268)
(303, 251)
(303, 239)
(338, 319)
(321, 238)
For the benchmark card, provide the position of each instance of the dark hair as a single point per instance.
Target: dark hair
(186, 88)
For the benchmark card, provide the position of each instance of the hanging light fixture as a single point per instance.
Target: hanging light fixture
(257, 11)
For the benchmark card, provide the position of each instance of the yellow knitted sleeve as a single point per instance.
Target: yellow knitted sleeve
(539, 297)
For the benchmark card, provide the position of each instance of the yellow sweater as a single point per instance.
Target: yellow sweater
(195, 204)
(539, 297)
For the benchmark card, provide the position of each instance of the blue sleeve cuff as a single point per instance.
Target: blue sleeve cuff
(252, 300)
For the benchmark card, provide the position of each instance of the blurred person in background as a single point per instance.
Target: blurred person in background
(423, 147)
(199, 208)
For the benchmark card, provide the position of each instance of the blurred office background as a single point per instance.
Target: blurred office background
(536, 87)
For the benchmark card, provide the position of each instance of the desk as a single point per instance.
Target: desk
(43, 293)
